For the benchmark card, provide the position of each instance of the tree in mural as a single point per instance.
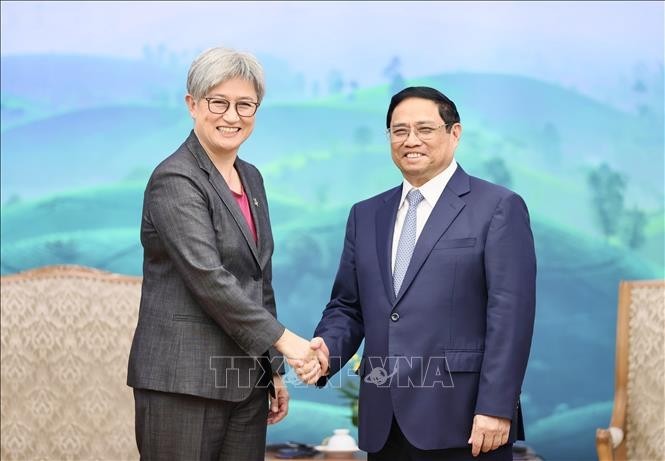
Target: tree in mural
(393, 72)
(498, 172)
(315, 89)
(362, 136)
(353, 89)
(335, 82)
(13, 200)
(64, 251)
(635, 221)
(607, 189)
(551, 140)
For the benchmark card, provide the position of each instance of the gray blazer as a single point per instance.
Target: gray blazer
(207, 318)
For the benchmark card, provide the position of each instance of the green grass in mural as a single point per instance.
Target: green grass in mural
(318, 157)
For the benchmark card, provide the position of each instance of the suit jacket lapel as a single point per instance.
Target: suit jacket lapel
(219, 184)
(385, 223)
(443, 214)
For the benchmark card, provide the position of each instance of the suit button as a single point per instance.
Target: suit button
(394, 316)
(256, 277)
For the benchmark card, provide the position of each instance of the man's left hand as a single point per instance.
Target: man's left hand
(488, 433)
(279, 404)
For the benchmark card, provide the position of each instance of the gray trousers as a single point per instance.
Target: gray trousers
(186, 427)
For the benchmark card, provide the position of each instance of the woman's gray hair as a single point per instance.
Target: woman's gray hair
(217, 65)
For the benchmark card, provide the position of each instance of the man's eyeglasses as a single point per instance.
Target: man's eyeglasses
(243, 108)
(399, 134)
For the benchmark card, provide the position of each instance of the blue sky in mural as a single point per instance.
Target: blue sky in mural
(561, 101)
(591, 46)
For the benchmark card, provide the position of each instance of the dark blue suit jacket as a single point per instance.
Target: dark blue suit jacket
(455, 340)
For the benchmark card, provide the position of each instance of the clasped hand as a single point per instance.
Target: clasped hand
(309, 359)
(314, 365)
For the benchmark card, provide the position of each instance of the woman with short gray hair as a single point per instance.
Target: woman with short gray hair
(205, 361)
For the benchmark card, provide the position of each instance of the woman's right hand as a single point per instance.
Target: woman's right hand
(300, 356)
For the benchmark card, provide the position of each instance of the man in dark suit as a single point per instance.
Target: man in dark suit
(438, 276)
(202, 359)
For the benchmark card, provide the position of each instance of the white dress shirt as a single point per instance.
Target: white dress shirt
(431, 191)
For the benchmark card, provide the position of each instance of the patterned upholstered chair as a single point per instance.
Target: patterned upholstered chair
(637, 427)
(66, 334)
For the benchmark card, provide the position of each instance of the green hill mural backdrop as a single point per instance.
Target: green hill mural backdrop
(75, 161)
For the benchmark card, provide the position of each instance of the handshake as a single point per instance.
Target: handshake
(309, 359)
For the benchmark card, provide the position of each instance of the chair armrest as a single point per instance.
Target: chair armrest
(606, 441)
(604, 445)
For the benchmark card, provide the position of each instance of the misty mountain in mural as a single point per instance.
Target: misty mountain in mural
(74, 170)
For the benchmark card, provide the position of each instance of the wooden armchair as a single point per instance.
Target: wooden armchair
(637, 427)
(66, 334)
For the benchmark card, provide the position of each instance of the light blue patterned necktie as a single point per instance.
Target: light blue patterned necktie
(407, 239)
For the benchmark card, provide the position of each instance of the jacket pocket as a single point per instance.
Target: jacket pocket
(464, 361)
(191, 318)
(444, 244)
